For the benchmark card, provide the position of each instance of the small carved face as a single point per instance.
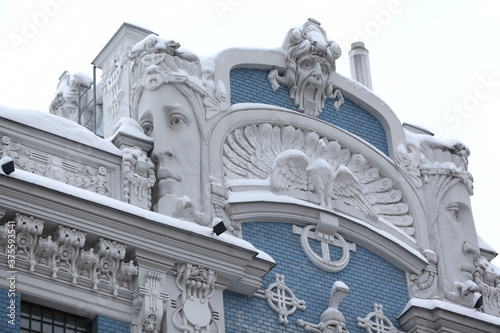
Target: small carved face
(166, 115)
(332, 326)
(457, 234)
(312, 78)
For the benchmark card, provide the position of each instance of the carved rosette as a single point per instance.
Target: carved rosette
(56, 168)
(62, 255)
(293, 160)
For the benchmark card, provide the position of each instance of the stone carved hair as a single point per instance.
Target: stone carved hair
(157, 61)
(308, 40)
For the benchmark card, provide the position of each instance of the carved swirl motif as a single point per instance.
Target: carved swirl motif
(296, 159)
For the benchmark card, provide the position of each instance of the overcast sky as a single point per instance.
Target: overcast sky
(435, 63)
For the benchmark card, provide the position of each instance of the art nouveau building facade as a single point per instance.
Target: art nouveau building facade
(336, 218)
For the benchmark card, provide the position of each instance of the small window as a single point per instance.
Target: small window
(39, 319)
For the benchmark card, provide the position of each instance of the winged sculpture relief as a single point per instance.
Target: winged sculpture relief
(293, 159)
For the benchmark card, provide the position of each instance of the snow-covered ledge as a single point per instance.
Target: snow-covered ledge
(435, 316)
(154, 242)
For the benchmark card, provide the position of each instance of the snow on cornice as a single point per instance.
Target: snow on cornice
(421, 140)
(140, 212)
(432, 304)
(58, 126)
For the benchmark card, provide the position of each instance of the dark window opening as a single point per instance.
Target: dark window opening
(40, 319)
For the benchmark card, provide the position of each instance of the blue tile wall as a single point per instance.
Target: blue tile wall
(105, 325)
(252, 86)
(370, 278)
(6, 313)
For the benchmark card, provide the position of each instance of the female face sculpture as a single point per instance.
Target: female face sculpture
(457, 234)
(168, 116)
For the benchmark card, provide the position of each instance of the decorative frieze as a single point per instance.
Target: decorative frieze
(56, 168)
(297, 161)
(63, 256)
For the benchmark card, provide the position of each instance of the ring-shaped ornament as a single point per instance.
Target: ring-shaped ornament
(322, 262)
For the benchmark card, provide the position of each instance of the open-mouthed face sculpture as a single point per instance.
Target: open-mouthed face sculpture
(167, 115)
(312, 77)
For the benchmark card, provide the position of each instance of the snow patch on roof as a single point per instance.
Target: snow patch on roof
(58, 126)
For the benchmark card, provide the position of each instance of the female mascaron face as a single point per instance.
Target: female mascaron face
(166, 115)
(458, 235)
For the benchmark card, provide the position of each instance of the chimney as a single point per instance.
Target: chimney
(113, 62)
(360, 64)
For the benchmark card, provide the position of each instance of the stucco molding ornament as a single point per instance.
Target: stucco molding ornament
(282, 300)
(63, 257)
(488, 283)
(408, 160)
(138, 177)
(56, 168)
(310, 68)
(424, 285)
(111, 77)
(194, 312)
(301, 163)
(149, 304)
(377, 322)
(324, 261)
(332, 320)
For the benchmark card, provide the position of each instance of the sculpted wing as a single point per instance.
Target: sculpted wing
(348, 190)
(289, 171)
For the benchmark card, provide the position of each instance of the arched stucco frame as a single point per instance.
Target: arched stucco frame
(389, 243)
(275, 58)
